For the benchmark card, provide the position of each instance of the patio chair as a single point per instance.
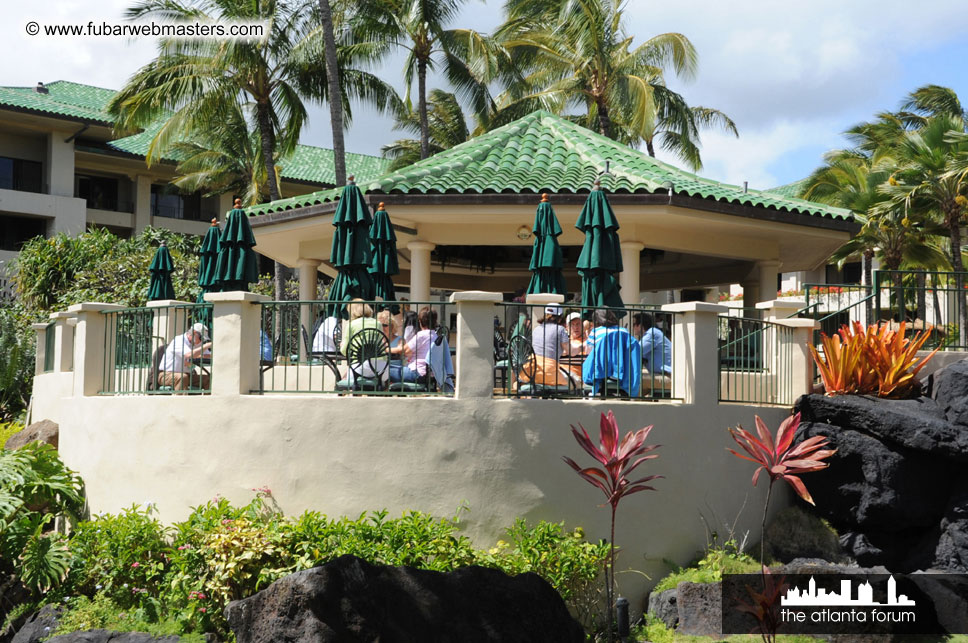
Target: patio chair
(318, 358)
(438, 376)
(151, 383)
(367, 355)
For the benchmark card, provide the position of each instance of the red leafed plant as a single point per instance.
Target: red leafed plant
(619, 459)
(765, 605)
(780, 458)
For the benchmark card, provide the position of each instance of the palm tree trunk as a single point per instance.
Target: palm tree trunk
(268, 136)
(868, 262)
(952, 216)
(335, 93)
(422, 108)
(650, 148)
(604, 120)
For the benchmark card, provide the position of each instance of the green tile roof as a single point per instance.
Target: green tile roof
(792, 190)
(74, 100)
(64, 98)
(546, 153)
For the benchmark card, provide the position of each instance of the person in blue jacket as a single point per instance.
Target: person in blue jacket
(614, 354)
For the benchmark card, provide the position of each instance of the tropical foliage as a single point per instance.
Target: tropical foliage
(447, 127)
(17, 342)
(619, 459)
(873, 360)
(781, 459)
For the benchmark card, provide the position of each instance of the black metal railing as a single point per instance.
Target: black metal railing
(569, 351)
(755, 361)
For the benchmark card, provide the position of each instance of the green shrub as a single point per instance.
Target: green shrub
(17, 343)
(8, 430)
(717, 561)
(123, 556)
(103, 613)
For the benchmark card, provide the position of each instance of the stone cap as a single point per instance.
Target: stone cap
(39, 326)
(476, 295)
(798, 322)
(235, 296)
(61, 315)
(695, 307)
(94, 306)
(165, 303)
(782, 304)
(544, 298)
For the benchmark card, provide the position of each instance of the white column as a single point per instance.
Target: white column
(142, 203)
(474, 367)
(628, 279)
(40, 354)
(308, 275)
(799, 342)
(224, 204)
(90, 348)
(768, 272)
(63, 342)
(751, 292)
(60, 165)
(235, 342)
(420, 269)
(167, 320)
(695, 351)
(780, 309)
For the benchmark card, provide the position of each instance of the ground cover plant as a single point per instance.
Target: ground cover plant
(128, 571)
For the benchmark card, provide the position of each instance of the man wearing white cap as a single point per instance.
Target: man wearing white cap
(177, 370)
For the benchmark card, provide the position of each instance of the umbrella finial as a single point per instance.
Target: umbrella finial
(380, 207)
(597, 185)
(544, 197)
(214, 223)
(164, 243)
(238, 203)
(350, 179)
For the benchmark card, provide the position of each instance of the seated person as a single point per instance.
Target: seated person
(361, 316)
(265, 347)
(549, 340)
(615, 355)
(417, 349)
(323, 341)
(389, 325)
(177, 370)
(577, 336)
(656, 347)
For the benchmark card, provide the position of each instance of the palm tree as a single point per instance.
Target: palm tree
(417, 26)
(335, 106)
(577, 53)
(447, 128)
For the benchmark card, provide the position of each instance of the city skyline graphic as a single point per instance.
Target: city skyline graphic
(812, 596)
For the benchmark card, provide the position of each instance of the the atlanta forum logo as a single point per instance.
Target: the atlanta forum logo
(844, 606)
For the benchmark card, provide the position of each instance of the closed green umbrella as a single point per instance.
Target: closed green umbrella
(207, 262)
(601, 256)
(161, 268)
(351, 254)
(236, 266)
(546, 260)
(383, 246)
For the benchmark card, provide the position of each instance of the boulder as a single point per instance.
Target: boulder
(796, 533)
(951, 551)
(950, 391)
(38, 626)
(663, 606)
(107, 636)
(875, 485)
(700, 607)
(349, 599)
(44, 431)
(919, 424)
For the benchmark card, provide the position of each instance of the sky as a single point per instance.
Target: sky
(792, 74)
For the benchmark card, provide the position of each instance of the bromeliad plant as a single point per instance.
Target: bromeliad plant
(781, 459)
(619, 459)
(873, 360)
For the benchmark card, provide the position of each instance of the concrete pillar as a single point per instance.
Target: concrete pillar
(308, 275)
(798, 344)
(40, 354)
(420, 269)
(474, 366)
(167, 320)
(695, 351)
(751, 292)
(224, 204)
(142, 203)
(91, 352)
(768, 273)
(780, 309)
(628, 279)
(59, 165)
(63, 342)
(235, 342)
(538, 302)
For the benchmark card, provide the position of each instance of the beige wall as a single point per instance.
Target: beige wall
(345, 455)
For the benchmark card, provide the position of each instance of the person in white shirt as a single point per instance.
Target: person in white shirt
(177, 370)
(324, 339)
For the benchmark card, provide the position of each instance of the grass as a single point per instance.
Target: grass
(711, 567)
(102, 613)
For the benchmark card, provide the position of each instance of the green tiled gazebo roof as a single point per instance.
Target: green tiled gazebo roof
(546, 153)
(88, 103)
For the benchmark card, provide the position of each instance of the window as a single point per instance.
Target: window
(100, 193)
(18, 174)
(14, 231)
(167, 202)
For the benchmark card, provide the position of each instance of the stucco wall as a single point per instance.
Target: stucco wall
(342, 456)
